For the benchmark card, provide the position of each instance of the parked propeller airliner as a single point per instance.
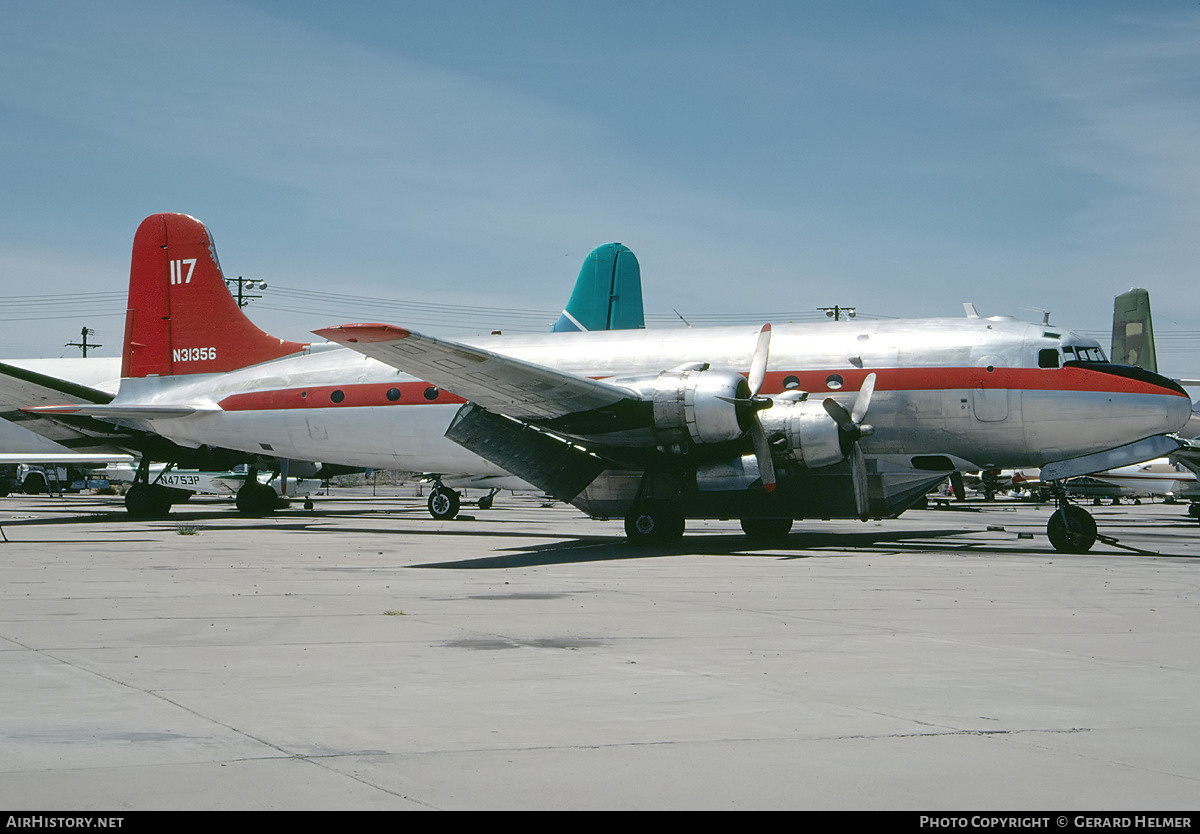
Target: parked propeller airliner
(838, 419)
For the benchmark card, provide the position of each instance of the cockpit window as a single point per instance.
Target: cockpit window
(1084, 353)
(1048, 358)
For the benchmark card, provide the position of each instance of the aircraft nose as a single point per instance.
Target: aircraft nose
(1180, 410)
(1177, 405)
(1139, 401)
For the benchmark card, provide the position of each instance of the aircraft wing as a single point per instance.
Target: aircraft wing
(21, 388)
(48, 458)
(524, 390)
(75, 416)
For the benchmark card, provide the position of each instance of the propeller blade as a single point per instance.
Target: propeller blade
(858, 477)
(758, 365)
(839, 414)
(863, 402)
(762, 453)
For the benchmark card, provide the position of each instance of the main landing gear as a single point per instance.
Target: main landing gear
(1071, 529)
(147, 500)
(254, 498)
(654, 522)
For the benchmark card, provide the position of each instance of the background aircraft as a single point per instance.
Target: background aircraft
(1133, 344)
(1156, 477)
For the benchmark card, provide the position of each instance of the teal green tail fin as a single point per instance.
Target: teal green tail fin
(1133, 334)
(608, 294)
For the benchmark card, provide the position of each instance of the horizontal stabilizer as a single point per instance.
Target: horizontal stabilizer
(117, 412)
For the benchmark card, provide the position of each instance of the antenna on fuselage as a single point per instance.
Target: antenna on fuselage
(1045, 314)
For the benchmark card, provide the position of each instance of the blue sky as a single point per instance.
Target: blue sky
(761, 158)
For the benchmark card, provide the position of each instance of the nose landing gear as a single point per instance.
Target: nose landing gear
(1071, 529)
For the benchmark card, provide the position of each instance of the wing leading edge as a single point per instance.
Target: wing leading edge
(524, 390)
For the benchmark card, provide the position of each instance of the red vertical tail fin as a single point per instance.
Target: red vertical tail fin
(181, 318)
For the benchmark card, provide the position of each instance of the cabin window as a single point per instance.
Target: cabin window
(393, 394)
(337, 396)
(1048, 358)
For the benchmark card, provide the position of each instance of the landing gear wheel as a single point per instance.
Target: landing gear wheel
(443, 503)
(148, 501)
(1071, 530)
(1194, 510)
(766, 529)
(654, 524)
(255, 499)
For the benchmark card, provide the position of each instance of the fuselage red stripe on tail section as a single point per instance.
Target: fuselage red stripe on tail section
(359, 395)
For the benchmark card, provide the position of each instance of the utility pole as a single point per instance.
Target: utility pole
(83, 344)
(835, 312)
(243, 298)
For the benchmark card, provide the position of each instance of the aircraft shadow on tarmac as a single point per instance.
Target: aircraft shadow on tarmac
(609, 548)
(799, 544)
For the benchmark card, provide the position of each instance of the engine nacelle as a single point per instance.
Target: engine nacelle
(811, 435)
(694, 405)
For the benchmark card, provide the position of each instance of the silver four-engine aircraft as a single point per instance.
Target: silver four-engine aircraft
(853, 419)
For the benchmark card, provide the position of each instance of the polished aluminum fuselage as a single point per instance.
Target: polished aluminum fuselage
(969, 390)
